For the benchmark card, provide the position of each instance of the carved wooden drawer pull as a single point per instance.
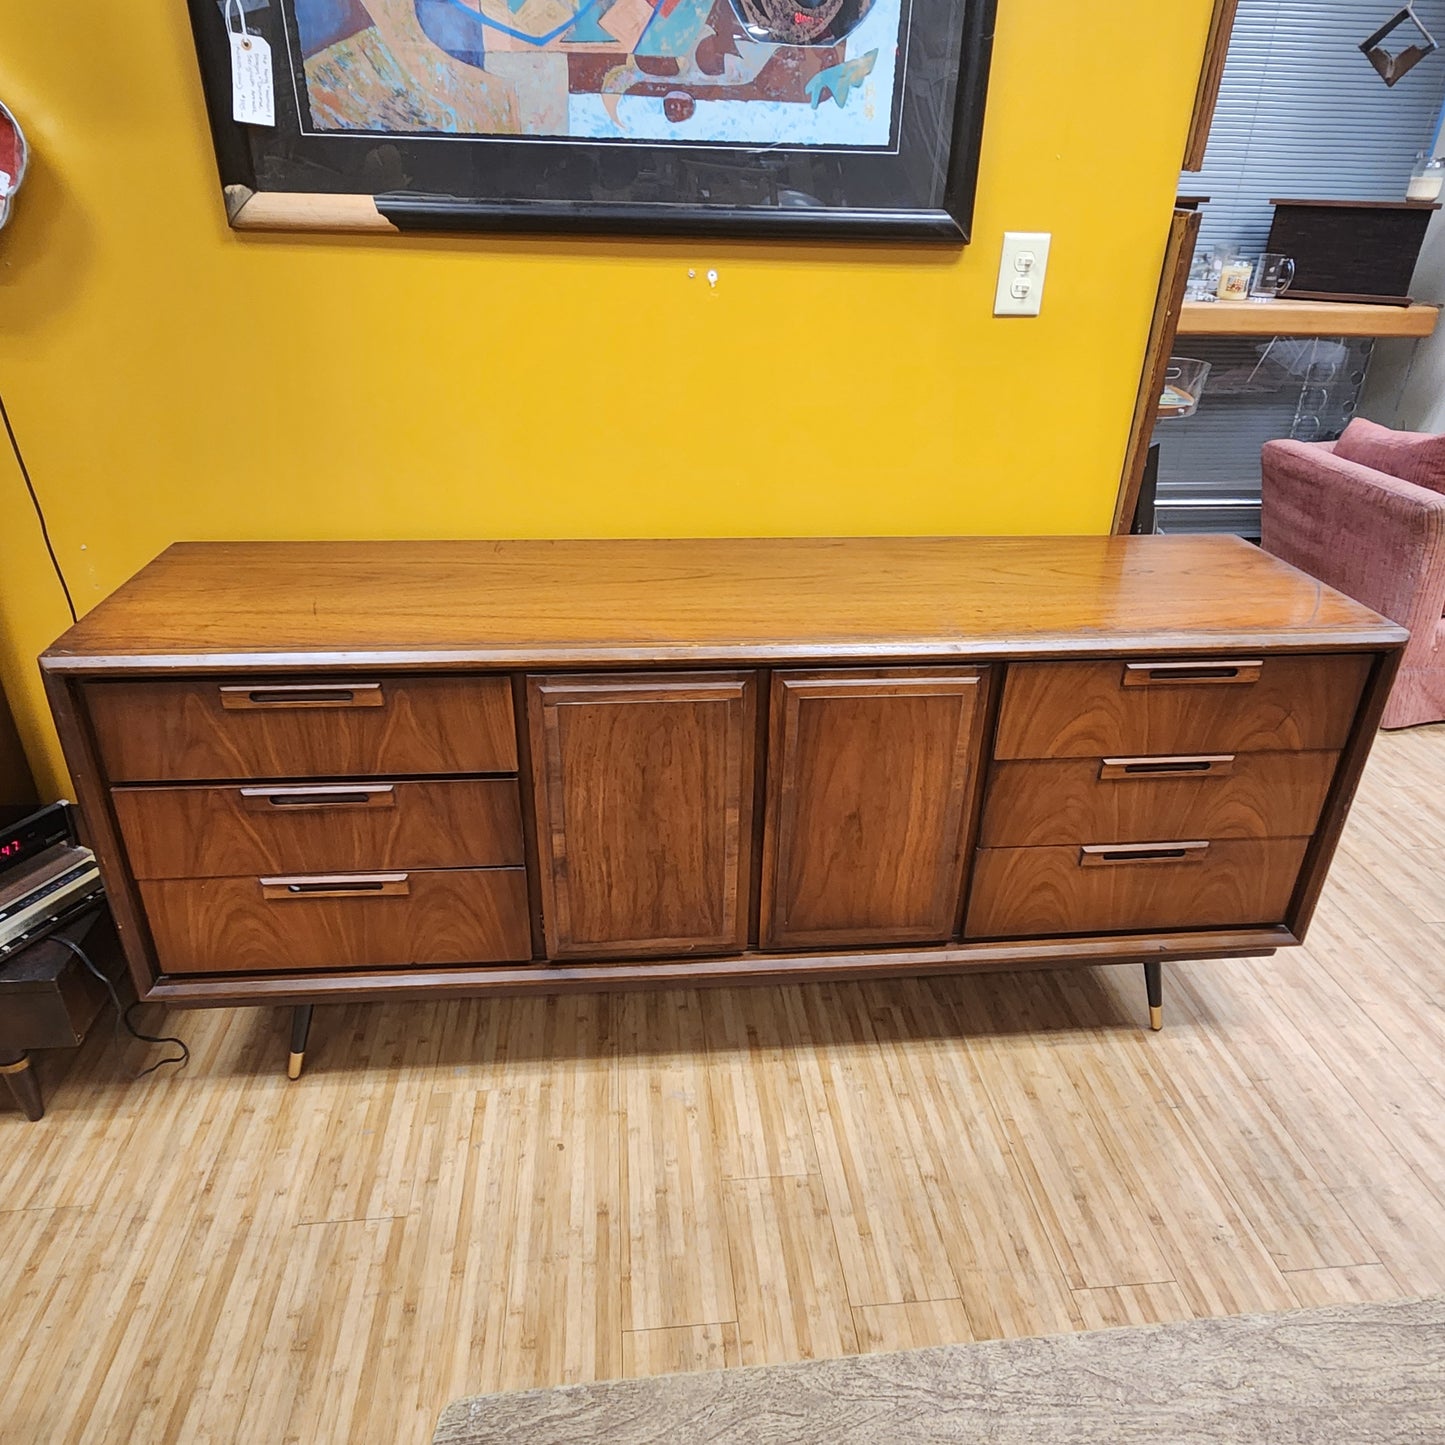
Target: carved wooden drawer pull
(1109, 855)
(1172, 674)
(1203, 765)
(265, 800)
(335, 885)
(294, 695)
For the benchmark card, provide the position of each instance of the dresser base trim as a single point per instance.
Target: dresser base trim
(465, 982)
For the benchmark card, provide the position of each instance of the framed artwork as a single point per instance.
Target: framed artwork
(842, 118)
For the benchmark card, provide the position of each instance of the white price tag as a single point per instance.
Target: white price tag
(253, 89)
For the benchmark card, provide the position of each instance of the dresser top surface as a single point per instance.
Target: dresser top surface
(222, 605)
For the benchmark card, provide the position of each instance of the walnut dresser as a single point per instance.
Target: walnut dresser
(323, 771)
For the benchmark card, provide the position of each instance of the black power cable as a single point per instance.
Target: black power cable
(122, 1015)
(39, 511)
(122, 1011)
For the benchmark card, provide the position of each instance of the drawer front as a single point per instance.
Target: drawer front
(213, 832)
(1116, 800)
(293, 924)
(1133, 709)
(1116, 888)
(206, 728)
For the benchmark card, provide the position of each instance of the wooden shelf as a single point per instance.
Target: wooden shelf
(1304, 318)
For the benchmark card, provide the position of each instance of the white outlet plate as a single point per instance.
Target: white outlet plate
(1021, 272)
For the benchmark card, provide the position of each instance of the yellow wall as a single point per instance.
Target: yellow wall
(169, 379)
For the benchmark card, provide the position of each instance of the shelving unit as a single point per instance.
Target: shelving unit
(1305, 318)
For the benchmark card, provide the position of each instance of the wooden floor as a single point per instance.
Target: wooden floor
(466, 1197)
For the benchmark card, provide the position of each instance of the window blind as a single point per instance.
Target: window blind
(1302, 113)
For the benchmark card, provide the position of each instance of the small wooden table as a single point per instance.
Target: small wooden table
(48, 999)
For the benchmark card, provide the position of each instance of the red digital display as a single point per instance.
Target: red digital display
(10, 847)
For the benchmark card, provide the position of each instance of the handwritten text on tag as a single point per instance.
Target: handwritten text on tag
(253, 95)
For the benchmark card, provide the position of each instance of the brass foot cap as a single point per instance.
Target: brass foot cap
(1156, 1019)
(293, 1065)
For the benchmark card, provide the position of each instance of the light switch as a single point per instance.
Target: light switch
(1021, 272)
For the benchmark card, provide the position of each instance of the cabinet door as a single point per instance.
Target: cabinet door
(644, 790)
(871, 776)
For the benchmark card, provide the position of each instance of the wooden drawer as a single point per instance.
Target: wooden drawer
(206, 728)
(1115, 800)
(211, 832)
(301, 923)
(1237, 705)
(1116, 888)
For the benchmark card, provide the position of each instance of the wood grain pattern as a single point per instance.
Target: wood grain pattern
(308, 211)
(1114, 1306)
(1081, 709)
(241, 606)
(1025, 892)
(1211, 74)
(761, 1125)
(1100, 1232)
(1261, 795)
(913, 1326)
(102, 833)
(158, 730)
(157, 1270)
(992, 1232)
(1305, 318)
(644, 785)
(1383, 672)
(791, 1294)
(1168, 302)
(870, 779)
(461, 981)
(644, 791)
(212, 832)
(225, 925)
(684, 1347)
(678, 1267)
(1349, 1284)
(888, 1238)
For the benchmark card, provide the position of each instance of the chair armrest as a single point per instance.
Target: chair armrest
(1369, 535)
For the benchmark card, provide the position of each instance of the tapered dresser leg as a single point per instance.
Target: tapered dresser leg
(300, 1027)
(1154, 983)
(15, 1066)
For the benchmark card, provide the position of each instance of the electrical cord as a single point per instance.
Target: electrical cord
(39, 510)
(122, 1011)
(122, 1015)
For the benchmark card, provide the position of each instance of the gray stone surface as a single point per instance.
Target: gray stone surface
(1346, 1375)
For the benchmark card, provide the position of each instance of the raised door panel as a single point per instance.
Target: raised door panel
(644, 789)
(870, 778)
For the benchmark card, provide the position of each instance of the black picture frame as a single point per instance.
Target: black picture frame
(304, 175)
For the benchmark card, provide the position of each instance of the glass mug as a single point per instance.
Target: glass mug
(1271, 277)
(1234, 277)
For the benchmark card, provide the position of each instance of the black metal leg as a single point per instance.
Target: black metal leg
(15, 1066)
(1154, 984)
(300, 1028)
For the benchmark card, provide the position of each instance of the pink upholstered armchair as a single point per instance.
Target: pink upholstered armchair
(1367, 515)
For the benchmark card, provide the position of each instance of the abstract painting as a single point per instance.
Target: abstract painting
(712, 72)
(757, 118)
